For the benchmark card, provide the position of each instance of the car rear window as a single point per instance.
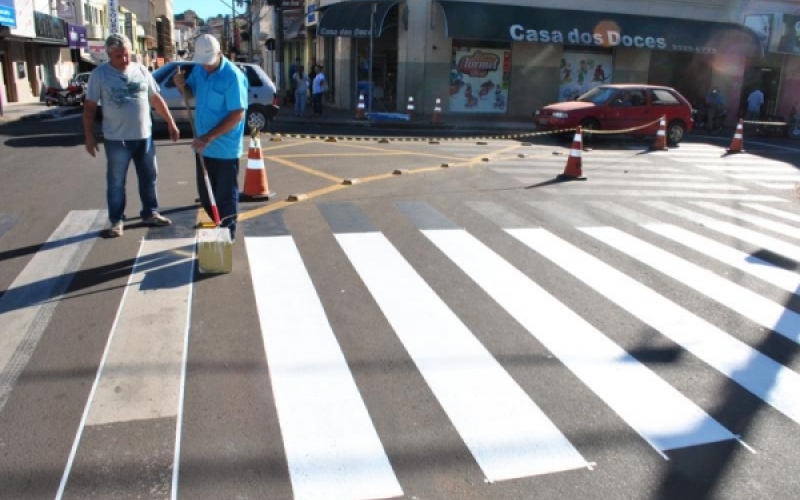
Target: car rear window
(661, 97)
(253, 79)
(163, 75)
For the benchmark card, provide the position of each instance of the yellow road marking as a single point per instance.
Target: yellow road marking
(256, 212)
(303, 168)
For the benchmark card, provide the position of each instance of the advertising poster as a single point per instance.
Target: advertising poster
(580, 72)
(479, 80)
(25, 26)
(761, 24)
(789, 41)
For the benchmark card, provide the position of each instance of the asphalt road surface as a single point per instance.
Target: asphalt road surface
(432, 319)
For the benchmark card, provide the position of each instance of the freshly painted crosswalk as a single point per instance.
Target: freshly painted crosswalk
(640, 258)
(699, 171)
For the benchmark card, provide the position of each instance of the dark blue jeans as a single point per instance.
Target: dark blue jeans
(118, 156)
(316, 100)
(224, 178)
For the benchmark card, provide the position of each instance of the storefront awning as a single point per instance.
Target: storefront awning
(352, 19)
(516, 23)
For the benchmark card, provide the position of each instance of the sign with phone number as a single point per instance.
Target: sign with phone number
(695, 49)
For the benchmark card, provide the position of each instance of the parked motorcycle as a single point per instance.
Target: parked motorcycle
(71, 96)
(700, 116)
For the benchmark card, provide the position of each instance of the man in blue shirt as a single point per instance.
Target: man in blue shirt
(220, 91)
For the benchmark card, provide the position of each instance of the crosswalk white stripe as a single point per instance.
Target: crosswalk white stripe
(666, 194)
(777, 186)
(764, 377)
(509, 436)
(28, 304)
(141, 373)
(738, 298)
(765, 177)
(664, 417)
(332, 447)
(773, 211)
(625, 182)
(745, 168)
(767, 271)
(753, 237)
(761, 222)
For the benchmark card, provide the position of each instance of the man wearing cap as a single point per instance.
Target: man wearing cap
(127, 90)
(220, 91)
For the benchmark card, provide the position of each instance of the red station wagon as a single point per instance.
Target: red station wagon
(621, 107)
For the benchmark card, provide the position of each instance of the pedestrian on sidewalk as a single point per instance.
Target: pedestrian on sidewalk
(754, 102)
(318, 89)
(126, 90)
(292, 70)
(301, 84)
(221, 100)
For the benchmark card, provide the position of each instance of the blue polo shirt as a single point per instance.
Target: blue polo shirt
(217, 94)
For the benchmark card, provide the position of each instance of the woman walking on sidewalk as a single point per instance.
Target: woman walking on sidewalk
(301, 83)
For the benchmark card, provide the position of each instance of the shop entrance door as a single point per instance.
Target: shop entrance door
(766, 78)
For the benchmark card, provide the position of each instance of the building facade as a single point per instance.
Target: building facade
(512, 56)
(44, 43)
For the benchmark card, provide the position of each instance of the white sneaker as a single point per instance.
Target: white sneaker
(116, 229)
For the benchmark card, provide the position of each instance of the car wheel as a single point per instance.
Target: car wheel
(257, 116)
(587, 125)
(676, 131)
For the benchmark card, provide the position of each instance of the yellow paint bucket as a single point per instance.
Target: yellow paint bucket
(214, 251)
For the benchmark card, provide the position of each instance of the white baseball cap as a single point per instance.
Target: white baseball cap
(206, 48)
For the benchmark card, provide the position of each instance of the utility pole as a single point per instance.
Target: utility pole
(278, 6)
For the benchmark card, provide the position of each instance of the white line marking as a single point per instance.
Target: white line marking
(753, 237)
(28, 305)
(761, 222)
(578, 191)
(145, 352)
(774, 211)
(332, 447)
(767, 271)
(764, 377)
(506, 432)
(736, 297)
(664, 417)
(142, 372)
(764, 177)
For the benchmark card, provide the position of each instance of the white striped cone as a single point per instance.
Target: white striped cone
(410, 106)
(360, 108)
(437, 111)
(255, 179)
(573, 169)
(661, 135)
(737, 144)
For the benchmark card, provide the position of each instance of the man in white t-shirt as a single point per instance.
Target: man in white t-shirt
(127, 91)
(318, 88)
(754, 102)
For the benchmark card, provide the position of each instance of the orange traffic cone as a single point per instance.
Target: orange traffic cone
(661, 136)
(572, 170)
(410, 107)
(437, 111)
(737, 145)
(255, 178)
(360, 108)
